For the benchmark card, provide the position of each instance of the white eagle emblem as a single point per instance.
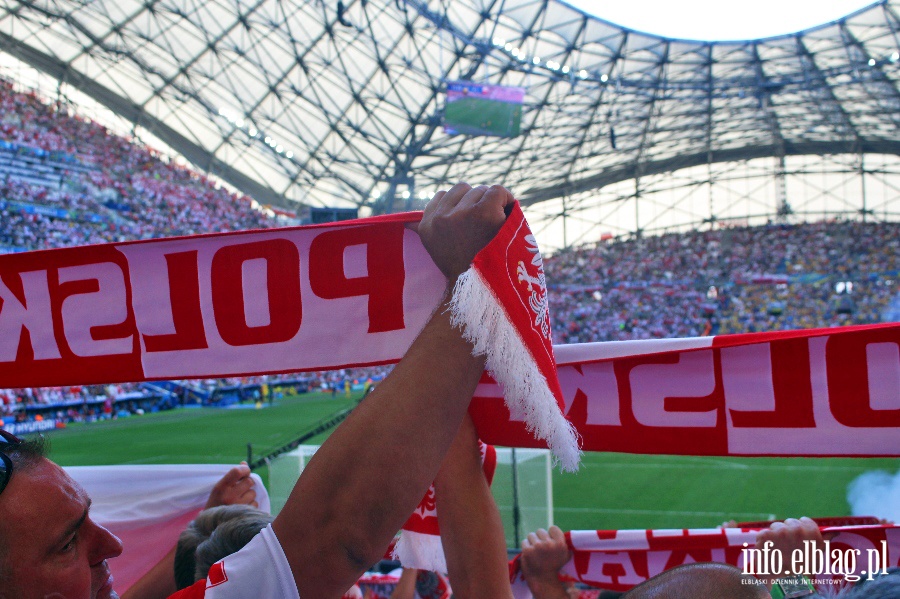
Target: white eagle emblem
(537, 286)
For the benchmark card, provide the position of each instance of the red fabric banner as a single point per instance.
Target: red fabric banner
(501, 304)
(304, 298)
(357, 293)
(824, 392)
(622, 559)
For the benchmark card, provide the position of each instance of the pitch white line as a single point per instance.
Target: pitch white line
(729, 466)
(604, 510)
(152, 459)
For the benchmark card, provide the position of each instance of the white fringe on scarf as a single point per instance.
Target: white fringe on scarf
(421, 551)
(485, 324)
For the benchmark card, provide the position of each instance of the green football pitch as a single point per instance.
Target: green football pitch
(611, 491)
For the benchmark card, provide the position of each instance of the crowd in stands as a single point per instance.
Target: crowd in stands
(114, 189)
(724, 281)
(74, 403)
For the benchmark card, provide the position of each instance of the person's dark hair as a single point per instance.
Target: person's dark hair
(215, 533)
(28, 453)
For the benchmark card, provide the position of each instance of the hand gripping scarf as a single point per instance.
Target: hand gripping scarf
(501, 304)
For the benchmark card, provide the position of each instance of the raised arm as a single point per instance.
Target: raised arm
(371, 473)
(471, 529)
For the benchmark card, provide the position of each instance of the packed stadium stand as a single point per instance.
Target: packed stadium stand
(732, 280)
(67, 181)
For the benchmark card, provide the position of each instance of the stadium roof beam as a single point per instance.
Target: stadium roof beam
(413, 148)
(333, 122)
(101, 41)
(651, 108)
(536, 195)
(365, 192)
(710, 113)
(136, 114)
(827, 94)
(518, 155)
(595, 108)
(210, 46)
(854, 46)
(763, 84)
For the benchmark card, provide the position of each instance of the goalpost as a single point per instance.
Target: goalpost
(522, 487)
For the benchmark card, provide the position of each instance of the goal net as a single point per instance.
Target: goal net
(523, 487)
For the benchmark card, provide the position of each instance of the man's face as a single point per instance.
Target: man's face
(55, 550)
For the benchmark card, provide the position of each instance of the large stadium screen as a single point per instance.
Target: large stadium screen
(475, 109)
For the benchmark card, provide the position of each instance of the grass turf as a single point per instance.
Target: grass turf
(193, 436)
(616, 491)
(611, 491)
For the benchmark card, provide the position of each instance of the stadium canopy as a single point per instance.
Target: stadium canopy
(339, 103)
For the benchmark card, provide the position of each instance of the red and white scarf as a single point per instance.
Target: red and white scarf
(254, 302)
(817, 392)
(257, 302)
(621, 559)
(419, 545)
(501, 303)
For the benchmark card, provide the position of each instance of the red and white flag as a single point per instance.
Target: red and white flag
(419, 545)
(147, 507)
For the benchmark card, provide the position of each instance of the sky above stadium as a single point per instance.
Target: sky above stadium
(720, 19)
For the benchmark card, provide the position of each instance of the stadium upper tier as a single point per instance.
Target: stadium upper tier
(68, 181)
(326, 103)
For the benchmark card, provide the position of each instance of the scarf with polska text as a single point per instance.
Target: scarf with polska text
(621, 559)
(258, 302)
(251, 302)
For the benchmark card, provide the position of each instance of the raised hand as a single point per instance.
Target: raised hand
(458, 223)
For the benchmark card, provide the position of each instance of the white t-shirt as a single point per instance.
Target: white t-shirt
(260, 569)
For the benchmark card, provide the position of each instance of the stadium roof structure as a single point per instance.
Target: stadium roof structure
(339, 103)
